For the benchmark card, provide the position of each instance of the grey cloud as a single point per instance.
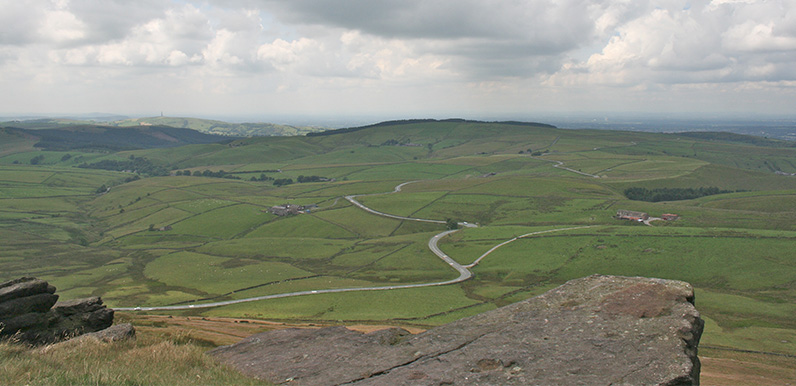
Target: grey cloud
(391, 19)
(110, 20)
(103, 21)
(483, 37)
(444, 19)
(485, 59)
(18, 22)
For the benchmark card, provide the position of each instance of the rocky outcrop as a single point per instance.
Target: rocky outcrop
(115, 333)
(29, 313)
(598, 330)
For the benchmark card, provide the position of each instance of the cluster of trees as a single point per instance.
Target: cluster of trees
(283, 181)
(135, 164)
(395, 142)
(535, 153)
(262, 177)
(302, 179)
(451, 224)
(390, 142)
(207, 173)
(36, 160)
(671, 194)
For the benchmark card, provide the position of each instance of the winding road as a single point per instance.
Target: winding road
(464, 270)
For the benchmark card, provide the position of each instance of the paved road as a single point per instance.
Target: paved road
(560, 165)
(464, 272)
(478, 260)
(358, 204)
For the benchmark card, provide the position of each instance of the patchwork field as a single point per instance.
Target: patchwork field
(171, 240)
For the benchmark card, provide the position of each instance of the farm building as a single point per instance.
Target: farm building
(670, 216)
(631, 215)
(286, 209)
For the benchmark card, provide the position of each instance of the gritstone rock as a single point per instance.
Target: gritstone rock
(113, 333)
(29, 313)
(597, 330)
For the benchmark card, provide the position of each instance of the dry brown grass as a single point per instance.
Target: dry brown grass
(723, 368)
(152, 359)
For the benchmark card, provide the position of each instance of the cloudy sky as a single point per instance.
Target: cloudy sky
(397, 58)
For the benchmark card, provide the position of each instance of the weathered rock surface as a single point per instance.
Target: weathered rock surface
(113, 333)
(29, 313)
(598, 330)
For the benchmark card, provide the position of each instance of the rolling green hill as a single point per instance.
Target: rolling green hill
(195, 236)
(105, 138)
(221, 128)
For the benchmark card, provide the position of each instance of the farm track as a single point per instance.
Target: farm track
(463, 270)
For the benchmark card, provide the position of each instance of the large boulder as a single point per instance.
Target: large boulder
(589, 331)
(29, 313)
(117, 332)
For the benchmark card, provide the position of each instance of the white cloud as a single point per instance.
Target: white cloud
(752, 36)
(716, 42)
(283, 55)
(62, 26)
(419, 50)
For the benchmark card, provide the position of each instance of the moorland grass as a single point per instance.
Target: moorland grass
(298, 247)
(149, 360)
(308, 225)
(374, 306)
(401, 204)
(223, 222)
(217, 275)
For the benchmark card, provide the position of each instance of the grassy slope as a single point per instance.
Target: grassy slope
(99, 245)
(153, 359)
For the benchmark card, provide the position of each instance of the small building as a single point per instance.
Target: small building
(286, 209)
(631, 215)
(670, 216)
(165, 228)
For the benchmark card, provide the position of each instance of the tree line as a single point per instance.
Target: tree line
(134, 164)
(672, 194)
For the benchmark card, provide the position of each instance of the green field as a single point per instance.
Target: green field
(175, 239)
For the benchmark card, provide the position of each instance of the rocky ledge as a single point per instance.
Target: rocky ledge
(598, 330)
(29, 313)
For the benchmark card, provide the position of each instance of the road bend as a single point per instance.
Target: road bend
(463, 270)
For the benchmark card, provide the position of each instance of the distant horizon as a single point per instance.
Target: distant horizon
(567, 119)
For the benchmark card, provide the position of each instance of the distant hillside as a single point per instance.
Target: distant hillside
(220, 127)
(45, 123)
(740, 138)
(75, 137)
(413, 121)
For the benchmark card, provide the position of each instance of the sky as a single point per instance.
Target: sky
(397, 58)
